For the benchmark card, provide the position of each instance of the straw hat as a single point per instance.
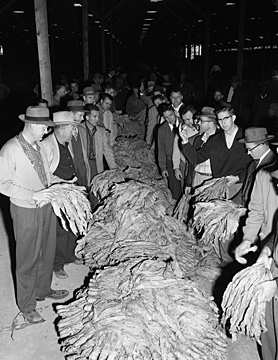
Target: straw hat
(37, 115)
(63, 118)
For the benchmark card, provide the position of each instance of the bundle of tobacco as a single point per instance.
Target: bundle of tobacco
(132, 223)
(243, 303)
(71, 205)
(134, 153)
(128, 127)
(212, 189)
(216, 220)
(141, 310)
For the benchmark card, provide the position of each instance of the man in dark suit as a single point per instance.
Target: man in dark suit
(165, 143)
(256, 141)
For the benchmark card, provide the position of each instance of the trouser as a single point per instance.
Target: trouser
(173, 184)
(65, 247)
(270, 338)
(92, 198)
(35, 235)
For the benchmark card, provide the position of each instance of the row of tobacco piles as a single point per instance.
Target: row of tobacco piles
(140, 301)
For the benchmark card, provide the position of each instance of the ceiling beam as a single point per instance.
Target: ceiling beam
(113, 8)
(195, 7)
(9, 4)
(177, 16)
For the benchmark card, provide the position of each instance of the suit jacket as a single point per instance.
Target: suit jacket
(224, 161)
(102, 148)
(165, 143)
(262, 206)
(251, 175)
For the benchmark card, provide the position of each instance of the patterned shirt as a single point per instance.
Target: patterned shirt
(34, 155)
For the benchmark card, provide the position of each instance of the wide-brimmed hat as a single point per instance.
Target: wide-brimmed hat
(63, 118)
(256, 135)
(76, 105)
(206, 112)
(88, 91)
(37, 115)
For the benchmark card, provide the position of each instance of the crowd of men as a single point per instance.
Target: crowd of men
(74, 141)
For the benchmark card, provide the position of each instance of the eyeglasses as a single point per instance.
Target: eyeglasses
(225, 118)
(253, 148)
(202, 121)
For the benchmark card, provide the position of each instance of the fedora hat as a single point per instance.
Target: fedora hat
(256, 135)
(63, 118)
(76, 105)
(88, 91)
(37, 115)
(206, 112)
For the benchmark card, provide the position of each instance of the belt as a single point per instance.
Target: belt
(204, 174)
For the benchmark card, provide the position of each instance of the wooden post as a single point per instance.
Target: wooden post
(207, 28)
(85, 42)
(102, 37)
(43, 50)
(189, 37)
(111, 52)
(240, 41)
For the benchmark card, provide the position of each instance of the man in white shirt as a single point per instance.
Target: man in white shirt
(176, 100)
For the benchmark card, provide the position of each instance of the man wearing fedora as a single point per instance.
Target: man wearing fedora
(25, 176)
(90, 96)
(61, 164)
(262, 208)
(268, 289)
(256, 142)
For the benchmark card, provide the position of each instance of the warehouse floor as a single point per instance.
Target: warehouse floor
(40, 342)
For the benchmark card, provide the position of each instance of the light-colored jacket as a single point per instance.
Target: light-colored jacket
(109, 124)
(102, 148)
(18, 178)
(262, 207)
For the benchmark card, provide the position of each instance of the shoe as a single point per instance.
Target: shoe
(61, 274)
(56, 295)
(78, 261)
(33, 317)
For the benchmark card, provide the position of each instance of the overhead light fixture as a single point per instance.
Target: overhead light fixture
(77, 5)
(18, 11)
(200, 20)
(151, 11)
(230, 3)
(97, 21)
(247, 39)
(155, 0)
(261, 37)
(91, 15)
(148, 19)
(146, 24)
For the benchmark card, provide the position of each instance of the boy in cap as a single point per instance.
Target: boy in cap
(25, 176)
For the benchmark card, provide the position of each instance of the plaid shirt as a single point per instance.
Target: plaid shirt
(204, 167)
(35, 158)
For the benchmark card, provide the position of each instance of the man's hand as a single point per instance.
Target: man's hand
(232, 179)
(165, 175)
(183, 134)
(268, 289)
(243, 249)
(187, 190)
(265, 257)
(42, 197)
(178, 174)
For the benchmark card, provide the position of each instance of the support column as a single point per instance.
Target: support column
(240, 41)
(85, 42)
(43, 50)
(102, 36)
